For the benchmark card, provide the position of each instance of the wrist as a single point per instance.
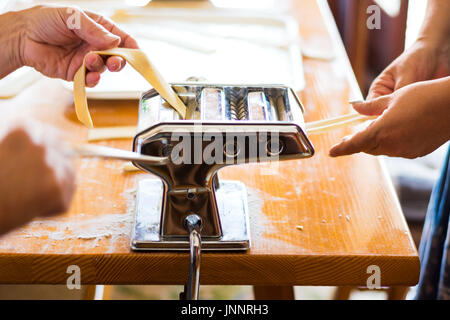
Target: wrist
(436, 41)
(441, 94)
(11, 39)
(437, 96)
(440, 45)
(436, 26)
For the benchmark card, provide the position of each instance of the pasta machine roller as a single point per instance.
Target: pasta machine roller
(225, 125)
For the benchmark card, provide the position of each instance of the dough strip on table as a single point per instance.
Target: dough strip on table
(139, 61)
(111, 133)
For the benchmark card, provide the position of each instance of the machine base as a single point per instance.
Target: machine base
(232, 203)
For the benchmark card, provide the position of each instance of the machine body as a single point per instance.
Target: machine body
(225, 125)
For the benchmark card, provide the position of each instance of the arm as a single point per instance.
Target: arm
(44, 38)
(10, 37)
(426, 59)
(437, 23)
(412, 96)
(37, 177)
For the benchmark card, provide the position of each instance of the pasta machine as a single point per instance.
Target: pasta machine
(188, 207)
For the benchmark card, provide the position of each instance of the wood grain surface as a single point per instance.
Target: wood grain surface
(347, 207)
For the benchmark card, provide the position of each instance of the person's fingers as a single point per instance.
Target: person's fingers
(92, 79)
(95, 34)
(405, 78)
(94, 62)
(373, 107)
(362, 141)
(127, 41)
(115, 63)
(384, 84)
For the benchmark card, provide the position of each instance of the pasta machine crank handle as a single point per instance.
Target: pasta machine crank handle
(193, 225)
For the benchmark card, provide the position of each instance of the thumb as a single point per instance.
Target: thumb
(95, 34)
(372, 107)
(362, 141)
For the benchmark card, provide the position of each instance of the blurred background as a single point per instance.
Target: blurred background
(369, 51)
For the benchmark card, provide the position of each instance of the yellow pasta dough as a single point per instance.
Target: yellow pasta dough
(322, 126)
(111, 133)
(139, 61)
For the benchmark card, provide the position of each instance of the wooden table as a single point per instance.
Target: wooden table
(350, 214)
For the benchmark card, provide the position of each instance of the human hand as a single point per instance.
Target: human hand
(413, 122)
(426, 59)
(36, 175)
(51, 47)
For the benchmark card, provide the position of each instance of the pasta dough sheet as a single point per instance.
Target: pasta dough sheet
(139, 61)
(111, 133)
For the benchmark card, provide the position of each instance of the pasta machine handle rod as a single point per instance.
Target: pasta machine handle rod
(193, 224)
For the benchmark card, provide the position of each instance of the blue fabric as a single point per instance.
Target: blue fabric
(434, 250)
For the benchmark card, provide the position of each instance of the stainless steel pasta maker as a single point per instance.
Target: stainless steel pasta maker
(189, 207)
(227, 125)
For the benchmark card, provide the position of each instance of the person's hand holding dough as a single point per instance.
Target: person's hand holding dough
(36, 175)
(50, 40)
(426, 59)
(413, 121)
(411, 96)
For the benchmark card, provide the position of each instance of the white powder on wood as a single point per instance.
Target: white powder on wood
(93, 228)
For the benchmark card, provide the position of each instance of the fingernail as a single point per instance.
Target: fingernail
(116, 66)
(355, 101)
(90, 59)
(111, 37)
(346, 138)
(98, 64)
(332, 153)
